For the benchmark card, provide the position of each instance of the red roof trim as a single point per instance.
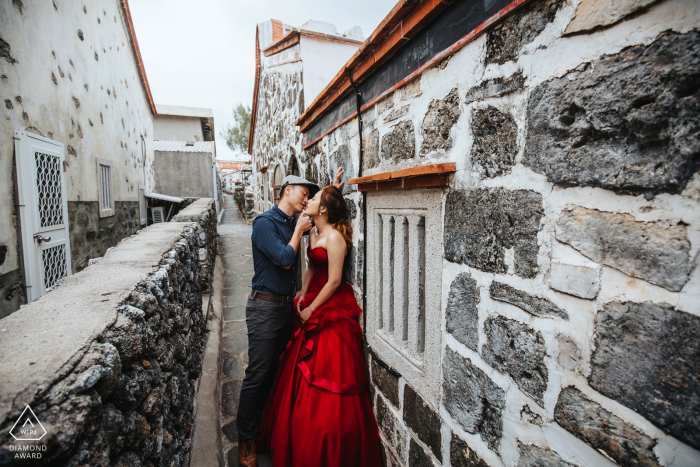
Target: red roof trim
(137, 56)
(450, 50)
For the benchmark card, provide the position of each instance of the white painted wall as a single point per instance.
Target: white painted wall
(322, 59)
(96, 107)
(173, 128)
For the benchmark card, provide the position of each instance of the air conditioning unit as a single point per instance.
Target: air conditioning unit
(158, 215)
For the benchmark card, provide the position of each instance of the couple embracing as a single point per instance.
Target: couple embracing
(305, 392)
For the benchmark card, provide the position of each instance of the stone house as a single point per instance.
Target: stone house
(525, 193)
(292, 67)
(184, 159)
(76, 140)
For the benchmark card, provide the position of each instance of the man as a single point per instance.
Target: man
(276, 237)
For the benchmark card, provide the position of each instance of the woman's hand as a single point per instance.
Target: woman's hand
(301, 299)
(305, 314)
(338, 173)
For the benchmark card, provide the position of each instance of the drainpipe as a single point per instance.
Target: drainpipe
(389, 368)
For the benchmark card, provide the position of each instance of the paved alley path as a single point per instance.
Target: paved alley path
(237, 257)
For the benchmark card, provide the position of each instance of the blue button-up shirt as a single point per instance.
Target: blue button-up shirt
(272, 231)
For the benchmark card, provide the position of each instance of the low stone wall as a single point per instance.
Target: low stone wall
(108, 361)
(246, 202)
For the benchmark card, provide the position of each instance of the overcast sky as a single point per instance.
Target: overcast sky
(202, 54)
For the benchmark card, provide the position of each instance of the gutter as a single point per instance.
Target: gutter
(389, 368)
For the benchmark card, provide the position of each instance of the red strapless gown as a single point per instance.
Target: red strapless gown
(318, 412)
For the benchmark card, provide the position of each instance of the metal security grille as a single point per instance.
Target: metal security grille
(54, 259)
(401, 281)
(105, 186)
(48, 182)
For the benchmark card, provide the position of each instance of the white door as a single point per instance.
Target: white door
(43, 210)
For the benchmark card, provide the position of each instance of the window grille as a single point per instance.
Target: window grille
(54, 260)
(401, 282)
(158, 215)
(104, 187)
(48, 182)
(404, 283)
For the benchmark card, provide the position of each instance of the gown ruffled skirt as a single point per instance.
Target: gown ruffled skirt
(319, 412)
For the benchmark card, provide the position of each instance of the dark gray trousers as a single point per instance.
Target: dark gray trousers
(269, 325)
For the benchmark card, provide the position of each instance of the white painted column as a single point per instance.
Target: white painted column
(388, 273)
(378, 269)
(401, 267)
(416, 293)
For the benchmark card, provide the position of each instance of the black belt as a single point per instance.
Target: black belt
(272, 298)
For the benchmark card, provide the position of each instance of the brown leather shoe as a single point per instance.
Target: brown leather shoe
(247, 457)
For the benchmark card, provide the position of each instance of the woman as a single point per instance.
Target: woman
(319, 412)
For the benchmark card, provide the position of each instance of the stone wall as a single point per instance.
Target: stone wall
(91, 235)
(570, 294)
(276, 139)
(246, 202)
(108, 360)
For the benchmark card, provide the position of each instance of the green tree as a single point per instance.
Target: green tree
(237, 135)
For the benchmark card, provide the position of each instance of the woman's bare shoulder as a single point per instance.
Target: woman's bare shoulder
(337, 240)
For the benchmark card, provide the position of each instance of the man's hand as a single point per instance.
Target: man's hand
(304, 223)
(336, 182)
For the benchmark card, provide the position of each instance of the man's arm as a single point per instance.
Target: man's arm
(267, 239)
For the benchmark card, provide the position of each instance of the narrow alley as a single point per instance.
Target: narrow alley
(237, 257)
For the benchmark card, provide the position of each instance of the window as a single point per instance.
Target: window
(404, 283)
(277, 178)
(104, 187)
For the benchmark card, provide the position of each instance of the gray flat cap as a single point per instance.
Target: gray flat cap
(294, 180)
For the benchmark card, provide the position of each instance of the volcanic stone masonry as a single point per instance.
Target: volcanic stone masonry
(117, 386)
(562, 288)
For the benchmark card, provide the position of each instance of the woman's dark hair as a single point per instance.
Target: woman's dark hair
(332, 199)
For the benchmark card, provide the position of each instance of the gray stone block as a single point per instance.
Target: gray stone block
(417, 457)
(495, 141)
(593, 127)
(573, 279)
(506, 39)
(235, 343)
(602, 430)
(400, 143)
(387, 383)
(594, 14)
(388, 457)
(441, 116)
(535, 456)
(647, 357)
(481, 224)
(462, 313)
(461, 455)
(341, 158)
(472, 398)
(423, 420)
(370, 147)
(231, 366)
(392, 429)
(230, 392)
(653, 251)
(536, 306)
(496, 87)
(518, 350)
